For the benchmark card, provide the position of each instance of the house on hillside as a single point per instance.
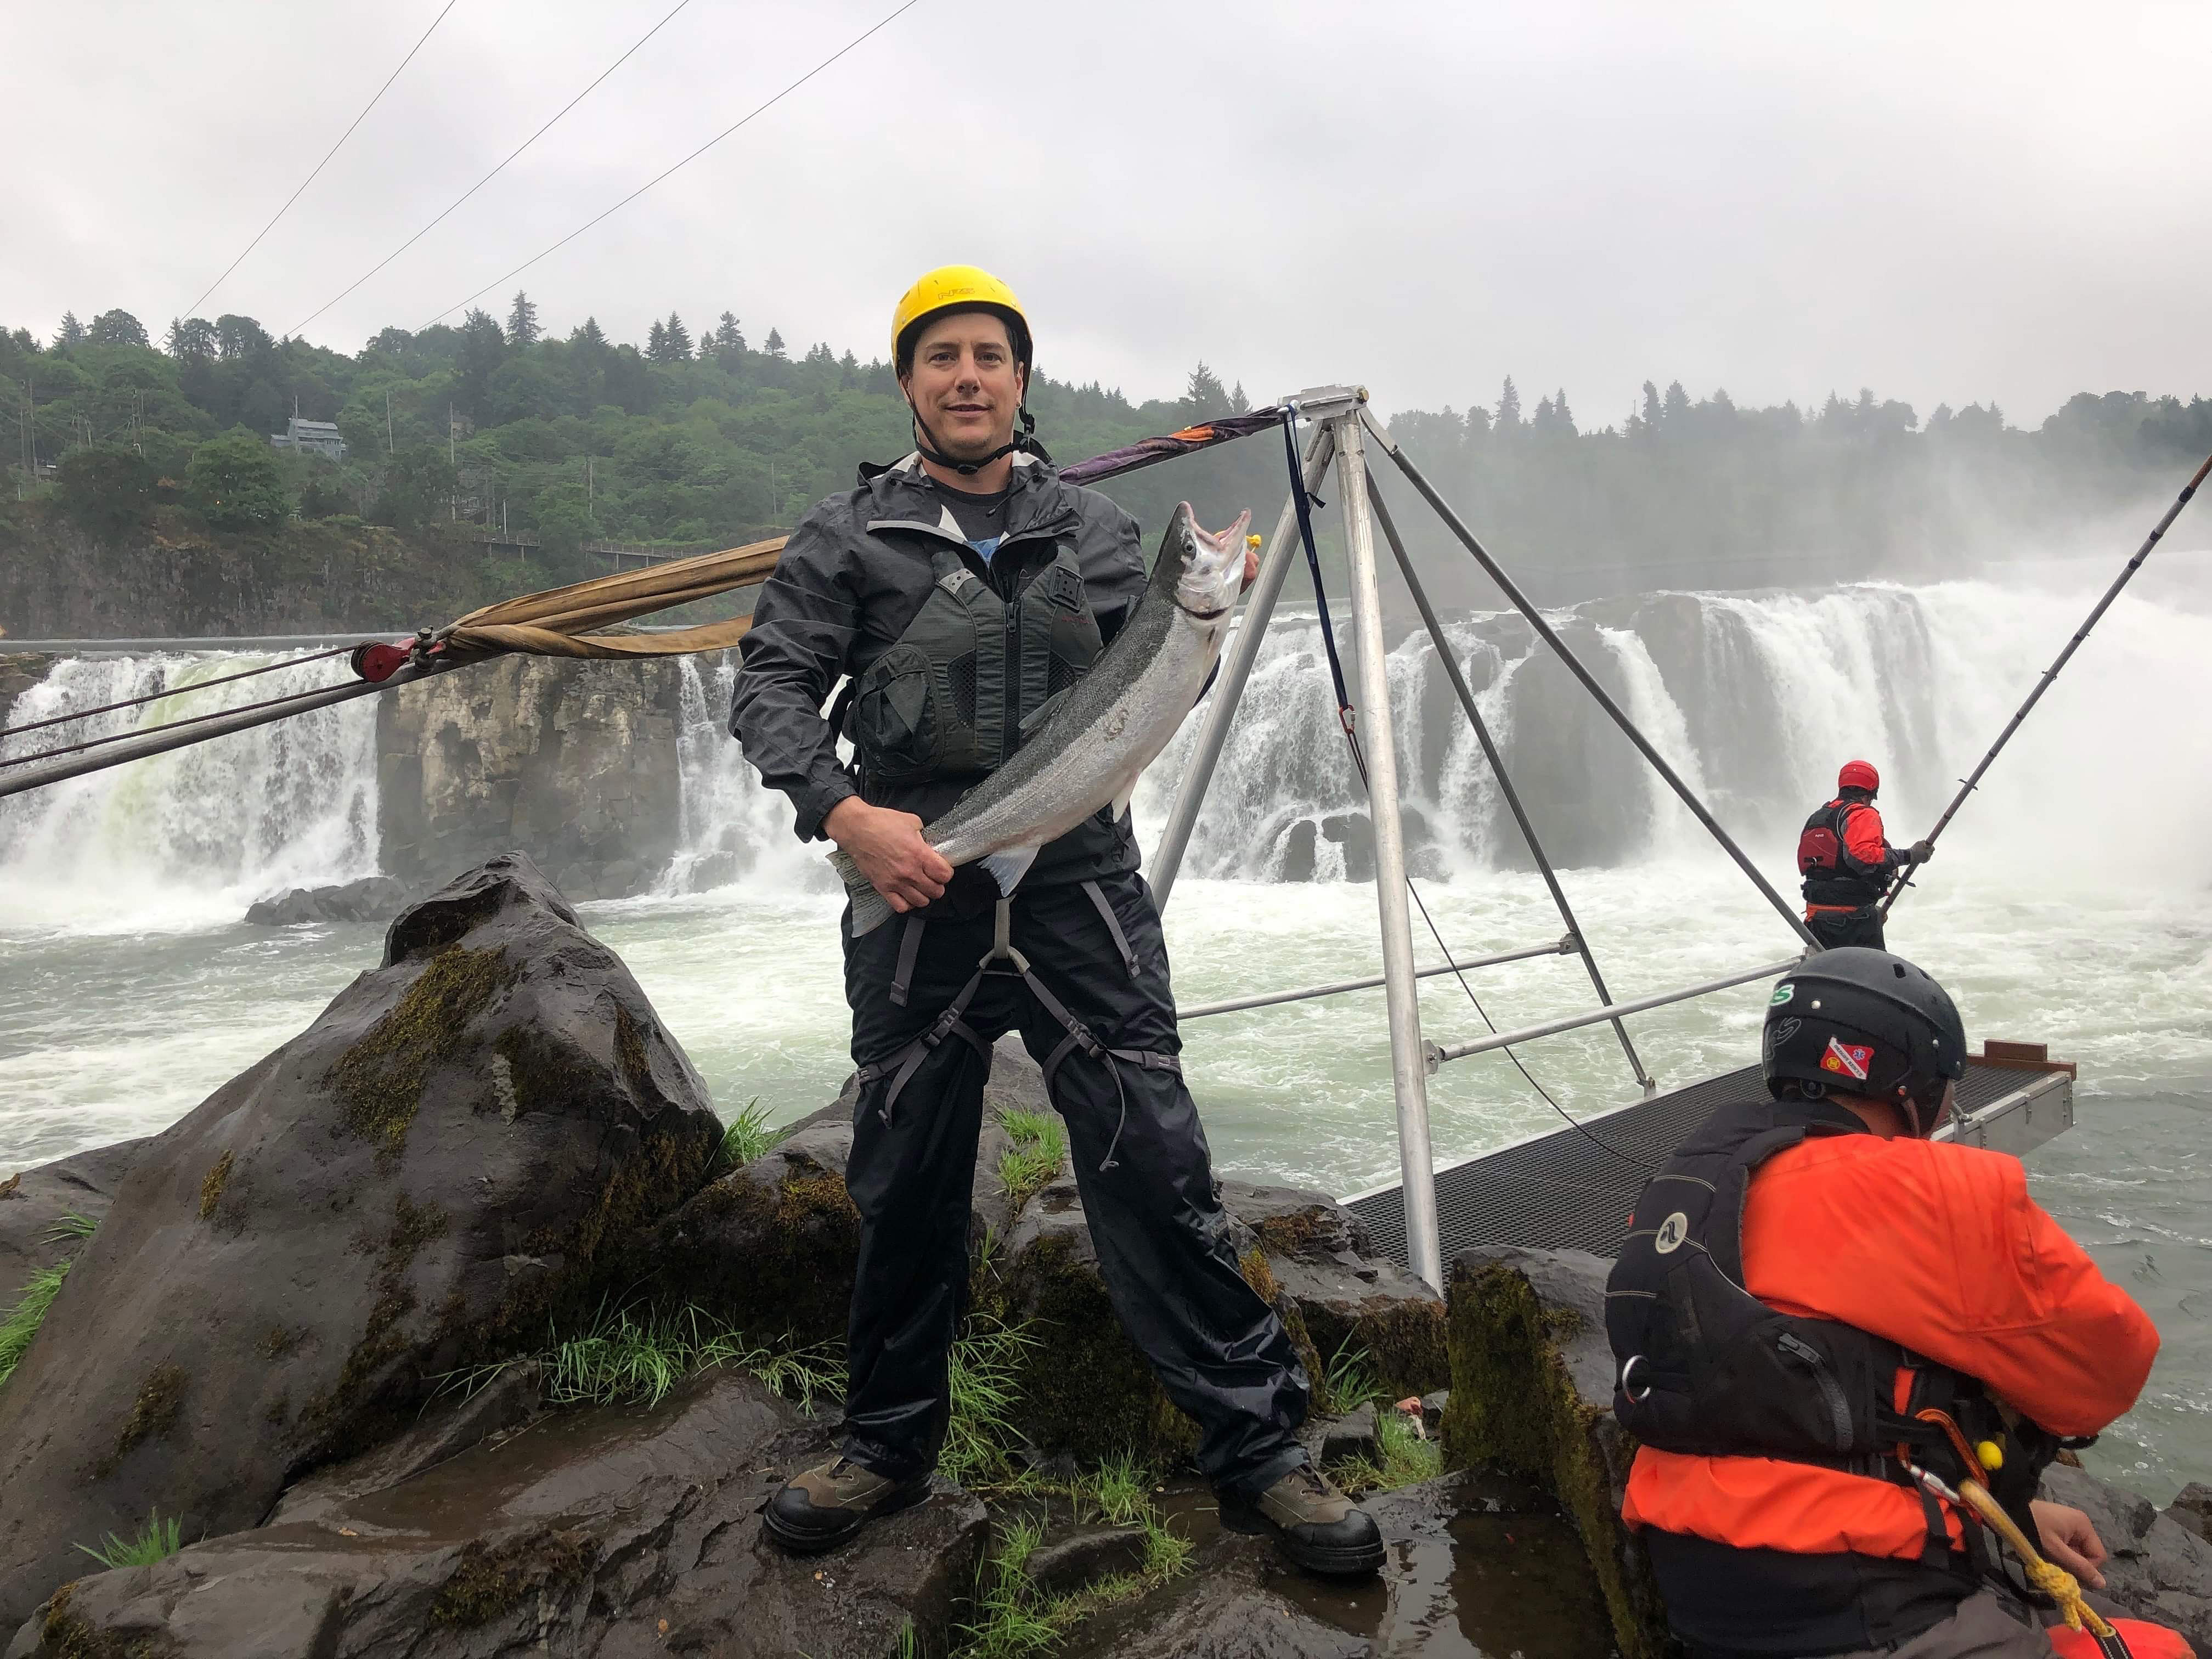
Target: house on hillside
(315, 437)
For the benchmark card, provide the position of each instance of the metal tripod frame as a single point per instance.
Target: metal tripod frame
(1340, 428)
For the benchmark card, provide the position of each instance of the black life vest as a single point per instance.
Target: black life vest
(1832, 875)
(972, 675)
(1708, 1369)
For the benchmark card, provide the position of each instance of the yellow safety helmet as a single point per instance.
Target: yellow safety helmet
(955, 288)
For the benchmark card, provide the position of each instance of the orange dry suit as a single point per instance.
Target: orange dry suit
(1793, 1288)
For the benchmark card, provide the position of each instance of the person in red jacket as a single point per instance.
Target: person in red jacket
(1807, 1276)
(1847, 862)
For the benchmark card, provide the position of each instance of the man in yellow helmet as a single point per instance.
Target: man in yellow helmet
(956, 591)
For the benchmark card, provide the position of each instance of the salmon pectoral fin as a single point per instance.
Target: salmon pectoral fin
(1008, 866)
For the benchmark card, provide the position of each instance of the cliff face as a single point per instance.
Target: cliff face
(572, 762)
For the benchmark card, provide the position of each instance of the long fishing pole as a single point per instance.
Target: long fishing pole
(1974, 778)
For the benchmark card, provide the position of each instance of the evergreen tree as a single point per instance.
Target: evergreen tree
(71, 332)
(679, 339)
(1509, 407)
(1678, 401)
(522, 328)
(1203, 394)
(656, 342)
(775, 344)
(1238, 403)
(588, 335)
(191, 339)
(1654, 415)
(729, 339)
(116, 328)
(239, 339)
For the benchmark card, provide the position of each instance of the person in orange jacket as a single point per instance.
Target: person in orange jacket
(1847, 862)
(1808, 1275)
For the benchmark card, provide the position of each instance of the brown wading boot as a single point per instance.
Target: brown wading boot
(1315, 1526)
(823, 1507)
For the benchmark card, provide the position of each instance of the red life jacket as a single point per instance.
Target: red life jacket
(1832, 875)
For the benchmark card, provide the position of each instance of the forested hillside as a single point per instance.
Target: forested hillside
(704, 437)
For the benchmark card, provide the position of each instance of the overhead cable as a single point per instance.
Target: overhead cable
(493, 174)
(758, 110)
(194, 309)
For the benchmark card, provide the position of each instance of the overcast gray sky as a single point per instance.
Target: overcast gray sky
(1948, 202)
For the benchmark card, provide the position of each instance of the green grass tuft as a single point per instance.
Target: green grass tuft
(22, 1321)
(985, 1371)
(1121, 1489)
(1405, 1458)
(628, 1356)
(1015, 1620)
(1034, 1160)
(157, 1541)
(748, 1135)
(1352, 1381)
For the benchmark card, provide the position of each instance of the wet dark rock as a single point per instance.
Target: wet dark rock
(1226, 1611)
(2192, 1509)
(450, 1425)
(1342, 1439)
(1432, 1412)
(2158, 1570)
(1067, 1561)
(1532, 1396)
(370, 899)
(606, 1534)
(417, 1182)
(35, 1205)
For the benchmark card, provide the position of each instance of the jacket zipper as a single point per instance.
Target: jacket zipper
(1839, 1411)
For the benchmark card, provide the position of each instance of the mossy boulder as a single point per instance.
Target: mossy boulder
(439, 1164)
(1532, 1395)
(621, 1530)
(1344, 1290)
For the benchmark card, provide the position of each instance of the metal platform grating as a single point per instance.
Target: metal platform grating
(1561, 1191)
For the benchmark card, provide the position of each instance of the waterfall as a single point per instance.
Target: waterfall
(1755, 697)
(731, 828)
(196, 834)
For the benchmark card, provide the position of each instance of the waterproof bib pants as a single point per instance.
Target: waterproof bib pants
(1836, 927)
(1160, 1233)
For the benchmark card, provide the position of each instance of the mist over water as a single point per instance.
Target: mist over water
(2069, 904)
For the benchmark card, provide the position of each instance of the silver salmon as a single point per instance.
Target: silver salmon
(1106, 728)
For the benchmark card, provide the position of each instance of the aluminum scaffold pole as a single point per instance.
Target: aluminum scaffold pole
(1512, 796)
(1575, 665)
(1409, 1069)
(1236, 670)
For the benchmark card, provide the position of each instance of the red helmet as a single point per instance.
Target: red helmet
(1858, 775)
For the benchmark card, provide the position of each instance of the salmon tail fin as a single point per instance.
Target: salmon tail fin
(870, 910)
(1008, 867)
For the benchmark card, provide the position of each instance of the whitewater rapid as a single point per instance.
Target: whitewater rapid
(2069, 905)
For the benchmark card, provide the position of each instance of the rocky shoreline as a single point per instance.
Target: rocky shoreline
(459, 1325)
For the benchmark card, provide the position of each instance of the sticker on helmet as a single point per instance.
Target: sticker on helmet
(1783, 992)
(1851, 1060)
(1671, 1231)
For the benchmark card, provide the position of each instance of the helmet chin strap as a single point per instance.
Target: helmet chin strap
(926, 447)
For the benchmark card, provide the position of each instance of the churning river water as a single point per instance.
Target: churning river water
(2070, 905)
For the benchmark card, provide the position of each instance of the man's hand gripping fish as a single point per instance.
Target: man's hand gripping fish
(1103, 731)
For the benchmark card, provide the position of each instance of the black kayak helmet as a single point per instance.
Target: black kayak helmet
(1853, 1021)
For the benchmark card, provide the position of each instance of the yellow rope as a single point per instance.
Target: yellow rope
(2054, 1581)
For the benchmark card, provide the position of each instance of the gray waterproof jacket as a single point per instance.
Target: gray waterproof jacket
(842, 593)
